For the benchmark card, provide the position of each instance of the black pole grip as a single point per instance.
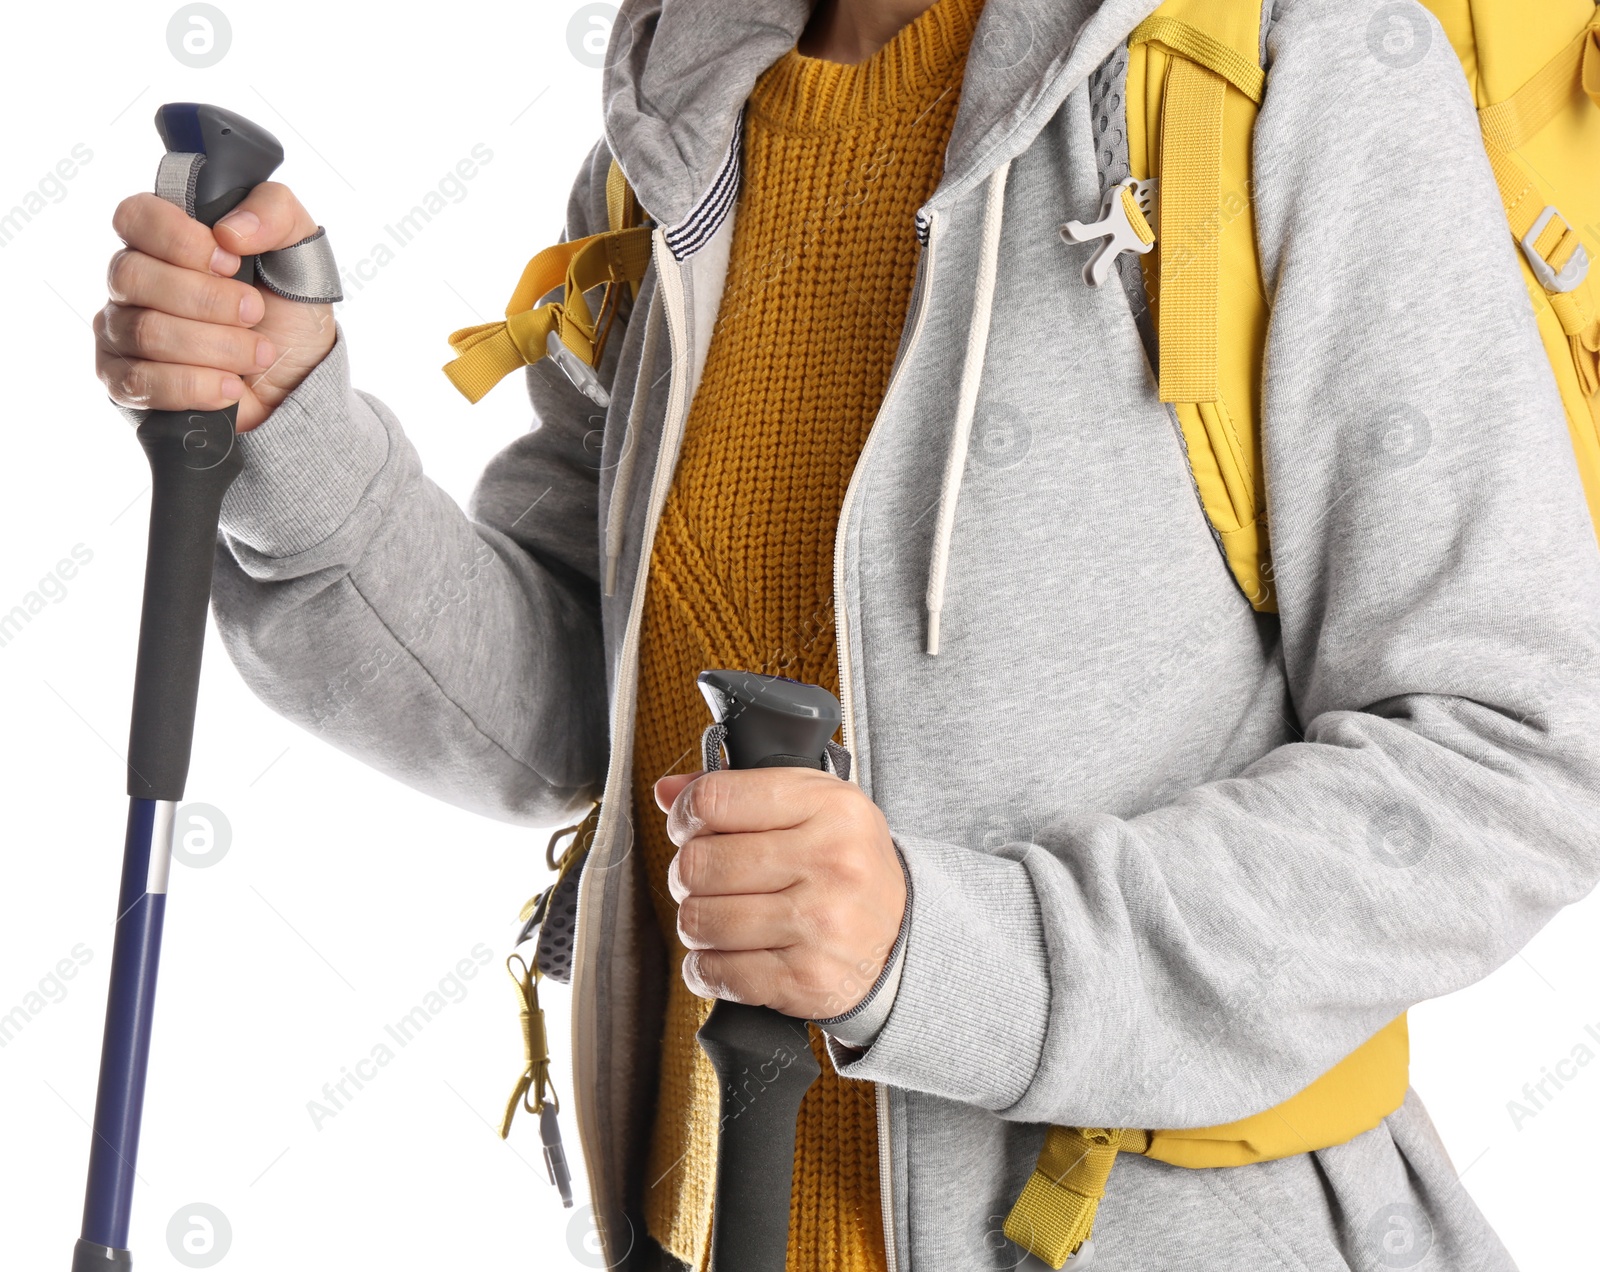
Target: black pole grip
(193, 459)
(762, 1058)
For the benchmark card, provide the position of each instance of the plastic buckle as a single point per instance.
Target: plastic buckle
(577, 370)
(1115, 228)
(1576, 270)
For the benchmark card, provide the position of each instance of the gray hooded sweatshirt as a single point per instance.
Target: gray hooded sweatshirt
(1171, 859)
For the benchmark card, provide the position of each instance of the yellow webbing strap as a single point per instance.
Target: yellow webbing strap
(1349, 1099)
(1591, 63)
(622, 205)
(1207, 46)
(1193, 88)
(1055, 1213)
(487, 353)
(1513, 123)
(1191, 202)
(1193, 45)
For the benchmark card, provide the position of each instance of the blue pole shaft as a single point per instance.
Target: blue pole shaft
(125, 1052)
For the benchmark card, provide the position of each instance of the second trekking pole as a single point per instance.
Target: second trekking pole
(763, 1058)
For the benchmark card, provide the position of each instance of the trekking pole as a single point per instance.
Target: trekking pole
(763, 1058)
(214, 158)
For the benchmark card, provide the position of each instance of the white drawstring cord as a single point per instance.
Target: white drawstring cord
(966, 399)
(616, 513)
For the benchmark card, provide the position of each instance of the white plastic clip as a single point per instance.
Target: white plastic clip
(1576, 269)
(1115, 227)
(577, 370)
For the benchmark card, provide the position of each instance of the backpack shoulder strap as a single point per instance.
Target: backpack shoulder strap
(1195, 82)
(1535, 76)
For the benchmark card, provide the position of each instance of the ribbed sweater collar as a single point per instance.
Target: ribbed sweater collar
(922, 60)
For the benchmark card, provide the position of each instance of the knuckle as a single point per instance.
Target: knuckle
(141, 330)
(277, 197)
(121, 273)
(192, 246)
(691, 865)
(804, 978)
(132, 383)
(281, 214)
(689, 921)
(189, 388)
(218, 303)
(832, 862)
(850, 867)
(820, 922)
(712, 796)
(128, 214)
(113, 323)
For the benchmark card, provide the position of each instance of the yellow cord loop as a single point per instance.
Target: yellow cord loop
(535, 1079)
(535, 1045)
(1136, 217)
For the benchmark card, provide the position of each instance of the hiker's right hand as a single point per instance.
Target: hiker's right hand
(180, 334)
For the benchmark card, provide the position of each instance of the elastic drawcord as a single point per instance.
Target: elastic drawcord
(967, 399)
(616, 514)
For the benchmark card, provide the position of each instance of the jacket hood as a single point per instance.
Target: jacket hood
(678, 71)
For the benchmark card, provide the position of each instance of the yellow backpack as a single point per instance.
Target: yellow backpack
(1193, 88)
(1194, 83)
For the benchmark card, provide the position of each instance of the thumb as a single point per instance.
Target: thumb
(669, 788)
(269, 217)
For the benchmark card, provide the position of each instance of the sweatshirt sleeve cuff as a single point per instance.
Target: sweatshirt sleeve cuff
(307, 465)
(858, 1027)
(970, 1012)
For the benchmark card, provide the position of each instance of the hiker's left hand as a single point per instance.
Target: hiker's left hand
(789, 888)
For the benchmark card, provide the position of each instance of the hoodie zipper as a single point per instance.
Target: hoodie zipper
(591, 891)
(847, 695)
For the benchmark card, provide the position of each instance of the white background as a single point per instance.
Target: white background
(344, 898)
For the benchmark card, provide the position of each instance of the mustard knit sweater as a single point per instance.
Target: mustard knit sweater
(837, 160)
